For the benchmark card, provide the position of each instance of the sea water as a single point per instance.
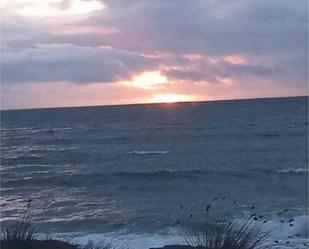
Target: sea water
(132, 174)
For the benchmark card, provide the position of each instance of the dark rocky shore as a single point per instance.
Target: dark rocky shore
(36, 244)
(55, 244)
(176, 247)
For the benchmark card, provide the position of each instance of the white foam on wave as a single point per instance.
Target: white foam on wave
(173, 236)
(287, 230)
(27, 178)
(289, 233)
(122, 239)
(148, 152)
(8, 219)
(294, 170)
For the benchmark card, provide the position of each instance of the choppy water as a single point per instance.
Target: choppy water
(139, 169)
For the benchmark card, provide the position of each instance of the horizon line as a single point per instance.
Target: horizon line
(154, 103)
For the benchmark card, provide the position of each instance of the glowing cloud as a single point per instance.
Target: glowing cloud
(193, 57)
(226, 81)
(52, 8)
(235, 59)
(171, 98)
(85, 30)
(147, 80)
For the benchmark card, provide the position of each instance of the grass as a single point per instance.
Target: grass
(237, 235)
(245, 234)
(21, 235)
(23, 230)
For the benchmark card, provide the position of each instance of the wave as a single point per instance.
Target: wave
(162, 173)
(294, 171)
(34, 130)
(290, 232)
(33, 150)
(51, 130)
(148, 152)
(28, 167)
(295, 235)
(16, 128)
(168, 236)
(13, 156)
(293, 228)
(72, 177)
(269, 135)
(61, 179)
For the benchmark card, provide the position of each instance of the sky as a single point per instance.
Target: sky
(57, 53)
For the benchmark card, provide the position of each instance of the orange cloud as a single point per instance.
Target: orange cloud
(226, 81)
(235, 59)
(193, 57)
(69, 30)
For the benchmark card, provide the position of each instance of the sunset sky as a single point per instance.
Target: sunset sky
(90, 52)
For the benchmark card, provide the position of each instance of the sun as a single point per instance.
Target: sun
(171, 98)
(147, 80)
(152, 82)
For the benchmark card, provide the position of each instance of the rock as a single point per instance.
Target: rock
(36, 244)
(175, 247)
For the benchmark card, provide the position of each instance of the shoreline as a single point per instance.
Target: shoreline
(59, 244)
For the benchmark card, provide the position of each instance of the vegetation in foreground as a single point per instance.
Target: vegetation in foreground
(246, 234)
(22, 236)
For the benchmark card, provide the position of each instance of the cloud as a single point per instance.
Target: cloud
(48, 63)
(202, 26)
(215, 27)
(51, 8)
(59, 94)
(210, 45)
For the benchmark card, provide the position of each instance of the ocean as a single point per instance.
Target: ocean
(133, 173)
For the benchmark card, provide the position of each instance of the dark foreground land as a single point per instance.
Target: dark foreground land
(37, 244)
(55, 244)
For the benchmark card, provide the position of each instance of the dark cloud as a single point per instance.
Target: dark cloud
(216, 73)
(272, 34)
(19, 33)
(48, 63)
(215, 27)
